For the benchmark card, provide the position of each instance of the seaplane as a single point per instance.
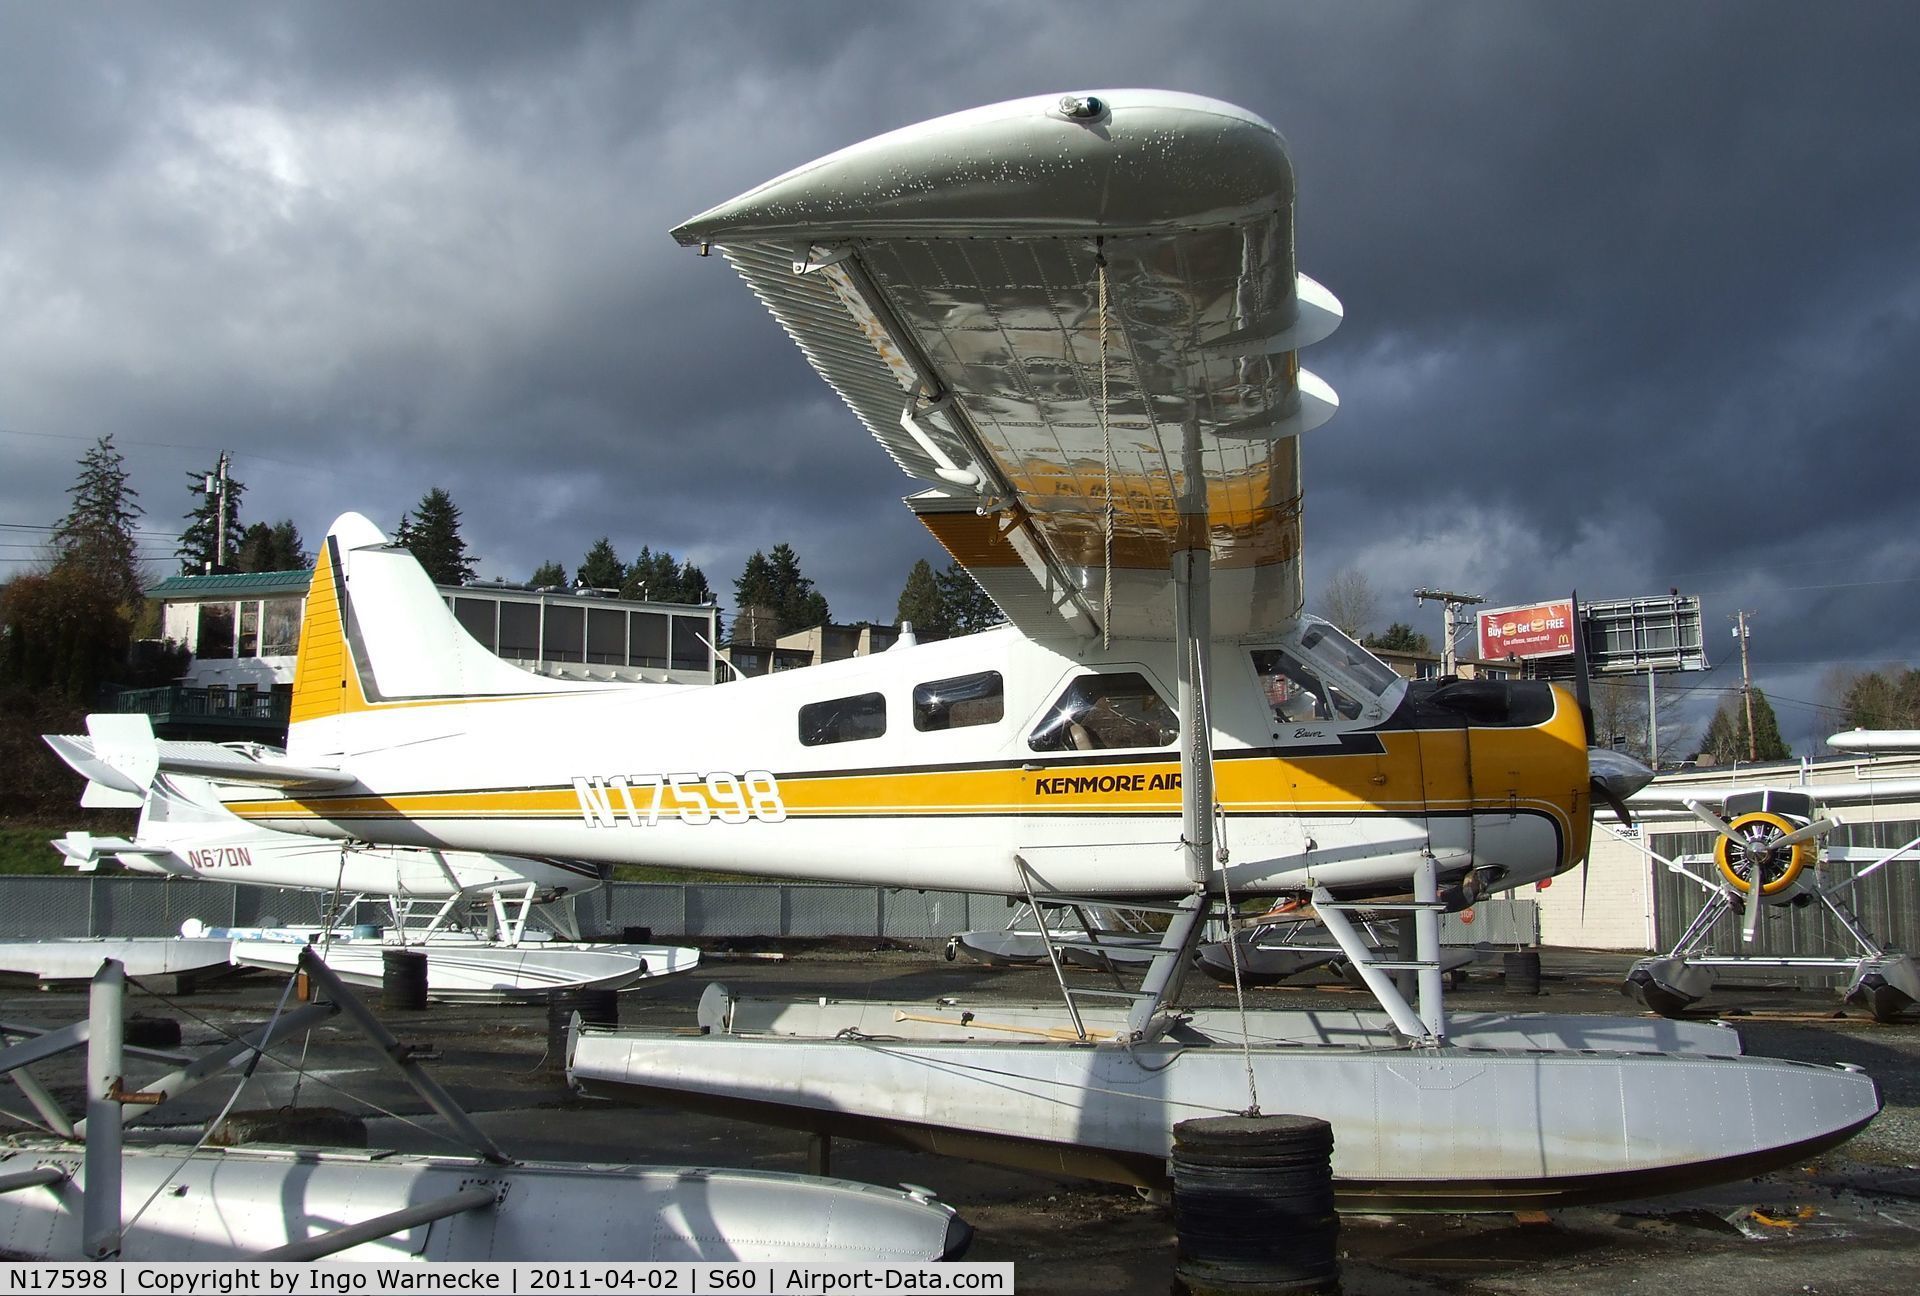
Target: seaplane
(1075, 321)
(491, 926)
(1770, 857)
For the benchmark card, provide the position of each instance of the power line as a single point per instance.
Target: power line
(167, 445)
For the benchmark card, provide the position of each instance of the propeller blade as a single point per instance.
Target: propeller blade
(1715, 822)
(1818, 828)
(1582, 683)
(1751, 927)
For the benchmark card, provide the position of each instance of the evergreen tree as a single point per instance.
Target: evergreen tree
(923, 604)
(432, 532)
(1882, 699)
(278, 547)
(693, 586)
(1726, 737)
(602, 568)
(1400, 637)
(756, 618)
(658, 578)
(200, 540)
(771, 588)
(96, 535)
(548, 574)
(968, 608)
(800, 605)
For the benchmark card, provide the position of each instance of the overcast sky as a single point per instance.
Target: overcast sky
(1632, 289)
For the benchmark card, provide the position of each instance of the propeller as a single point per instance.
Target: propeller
(1759, 854)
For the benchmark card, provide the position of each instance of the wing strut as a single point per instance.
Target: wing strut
(1193, 639)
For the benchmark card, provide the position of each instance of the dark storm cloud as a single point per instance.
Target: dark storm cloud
(1631, 292)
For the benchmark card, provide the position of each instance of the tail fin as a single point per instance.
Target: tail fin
(377, 634)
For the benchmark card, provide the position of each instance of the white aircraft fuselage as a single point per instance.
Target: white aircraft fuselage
(943, 765)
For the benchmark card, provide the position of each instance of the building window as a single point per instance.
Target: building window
(215, 635)
(476, 616)
(520, 631)
(960, 702)
(847, 719)
(689, 654)
(280, 627)
(1099, 712)
(564, 637)
(606, 636)
(249, 645)
(648, 647)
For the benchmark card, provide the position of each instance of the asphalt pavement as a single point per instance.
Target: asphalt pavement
(1846, 1223)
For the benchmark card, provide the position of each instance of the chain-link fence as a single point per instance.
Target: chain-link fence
(38, 908)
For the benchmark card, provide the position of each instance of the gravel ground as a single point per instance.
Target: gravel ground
(1848, 1223)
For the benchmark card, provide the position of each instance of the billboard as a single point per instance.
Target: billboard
(1535, 630)
(1623, 636)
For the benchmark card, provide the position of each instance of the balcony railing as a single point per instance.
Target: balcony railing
(179, 704)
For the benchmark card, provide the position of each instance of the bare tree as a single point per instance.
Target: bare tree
(1347, 600)
(1620, 715)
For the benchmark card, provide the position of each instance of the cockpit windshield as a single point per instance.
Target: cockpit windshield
(1326, 644)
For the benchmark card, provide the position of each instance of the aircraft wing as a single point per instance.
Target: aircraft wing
(1674, 797)
(947, 281)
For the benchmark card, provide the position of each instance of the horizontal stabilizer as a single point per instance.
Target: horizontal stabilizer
(120, 758)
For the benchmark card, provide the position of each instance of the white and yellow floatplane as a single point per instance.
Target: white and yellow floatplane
(1075, 320)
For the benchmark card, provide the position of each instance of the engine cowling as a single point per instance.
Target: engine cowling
(1753, 851)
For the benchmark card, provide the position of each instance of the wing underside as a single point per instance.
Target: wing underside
(1081, 333)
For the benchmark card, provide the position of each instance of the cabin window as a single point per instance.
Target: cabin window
(1101, 712)
(847, 719)
(1296, 693)
(960, 702)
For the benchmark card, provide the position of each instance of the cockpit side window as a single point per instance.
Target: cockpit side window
(1297, 693)
(1102, 712)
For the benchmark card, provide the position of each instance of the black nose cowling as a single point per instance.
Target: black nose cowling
(1614, 777)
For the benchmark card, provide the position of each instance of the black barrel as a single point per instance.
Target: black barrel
(636, 935)
(1253, 1205)
(151, 1032)
(1523, 972)
(596, 1008)
(403, 979)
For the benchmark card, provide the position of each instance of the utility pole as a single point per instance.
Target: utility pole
(1448, 602)
(1746, 685)
(217, 488)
